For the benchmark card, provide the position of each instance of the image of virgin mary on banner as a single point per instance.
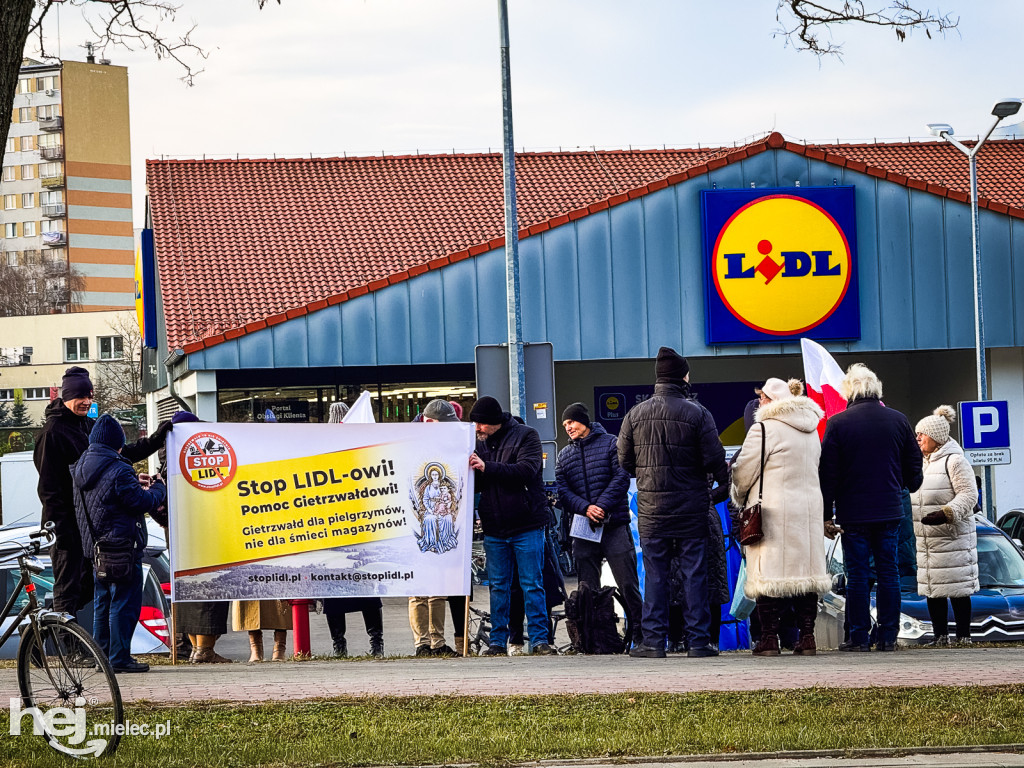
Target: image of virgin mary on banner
(436, 499)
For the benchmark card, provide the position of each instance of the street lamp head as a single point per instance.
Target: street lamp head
(1006, 107)
(940, 129)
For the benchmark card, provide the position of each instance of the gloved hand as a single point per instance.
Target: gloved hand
(831, 529)
(160, 433)
(938, 517)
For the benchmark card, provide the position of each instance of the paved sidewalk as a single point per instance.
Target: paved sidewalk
(479, 676)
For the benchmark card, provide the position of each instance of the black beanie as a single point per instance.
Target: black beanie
(76, 384)
(577, 412)
(487, 410)
(183, 417)
(671, 367)
(107, 432)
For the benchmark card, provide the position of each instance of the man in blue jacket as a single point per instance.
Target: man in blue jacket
(671, 445)
(513, 513)
(869, 454)
(591, 483)
(111, 506)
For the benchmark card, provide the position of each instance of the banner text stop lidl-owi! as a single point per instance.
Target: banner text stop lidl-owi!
(279, 511)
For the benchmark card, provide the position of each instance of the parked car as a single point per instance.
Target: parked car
(151, 633)
(997, 608)
(1012, 524)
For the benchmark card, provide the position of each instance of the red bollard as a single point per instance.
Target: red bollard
(300, 626)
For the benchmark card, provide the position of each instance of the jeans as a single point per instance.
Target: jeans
(115, 614)
(861, 543)
(527, 551)
(617, 547)
(658, 555)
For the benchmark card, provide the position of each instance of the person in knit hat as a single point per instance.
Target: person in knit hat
(513, 509)
(670, 444)
(947, 541)
(592, 484)
(110, 507)
(63, 439)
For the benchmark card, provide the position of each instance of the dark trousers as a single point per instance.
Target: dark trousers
(861, 543)
(335, 609)
(938, 611)
(616, 546)
(72, 575)
(658, 553)
(115, 614)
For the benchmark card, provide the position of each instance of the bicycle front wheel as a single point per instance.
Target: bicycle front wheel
(60, 667)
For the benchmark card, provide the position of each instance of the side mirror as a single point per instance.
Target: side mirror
(1017, 542)
(839, 583)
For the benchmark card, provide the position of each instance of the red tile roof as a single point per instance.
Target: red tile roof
(243, 244)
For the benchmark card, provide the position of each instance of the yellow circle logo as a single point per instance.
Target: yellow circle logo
(781, 265)
(612, 403)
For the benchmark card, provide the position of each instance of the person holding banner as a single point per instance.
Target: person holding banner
(508, 462)
(868, 456)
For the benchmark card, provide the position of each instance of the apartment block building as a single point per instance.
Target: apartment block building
(66, 186)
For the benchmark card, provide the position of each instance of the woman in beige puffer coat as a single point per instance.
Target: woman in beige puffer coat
(947, 543)
(788, 564)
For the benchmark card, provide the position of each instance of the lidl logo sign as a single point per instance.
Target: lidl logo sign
(780, 264)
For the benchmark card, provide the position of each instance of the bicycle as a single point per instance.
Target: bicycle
(67, 686)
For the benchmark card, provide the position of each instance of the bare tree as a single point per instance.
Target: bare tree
(39, 288)
(806, 21)
(118, 383)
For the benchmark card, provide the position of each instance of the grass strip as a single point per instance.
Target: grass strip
(496, 731)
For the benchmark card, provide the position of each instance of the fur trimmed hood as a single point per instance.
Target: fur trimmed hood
(800, 413)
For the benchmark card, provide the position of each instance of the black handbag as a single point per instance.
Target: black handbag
(112, 560)
(751, 531)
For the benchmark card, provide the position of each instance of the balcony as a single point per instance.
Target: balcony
(51, 124)
(54, 239)
(52, 153)
(55, 211)
(52, 182)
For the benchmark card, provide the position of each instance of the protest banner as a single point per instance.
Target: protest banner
(289, 511)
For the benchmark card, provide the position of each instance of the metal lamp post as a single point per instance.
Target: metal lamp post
(1001, 110)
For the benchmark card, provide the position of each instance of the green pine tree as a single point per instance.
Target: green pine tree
(19, 413)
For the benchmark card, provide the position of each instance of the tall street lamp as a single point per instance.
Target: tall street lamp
(1001, 110)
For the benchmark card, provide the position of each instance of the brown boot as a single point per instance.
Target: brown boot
(768, 645)
(805, 645)
(807, 611)
(769, 612)
(255, 646)
(205, 654)
(280, 646)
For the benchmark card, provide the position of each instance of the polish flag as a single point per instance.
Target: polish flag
(822, 375)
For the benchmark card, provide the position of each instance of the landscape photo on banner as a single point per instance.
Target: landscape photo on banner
(287, 511)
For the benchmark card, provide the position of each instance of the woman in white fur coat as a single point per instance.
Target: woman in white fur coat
(947, 542)
(788, 564)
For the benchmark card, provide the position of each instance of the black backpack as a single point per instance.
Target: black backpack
(591, 621)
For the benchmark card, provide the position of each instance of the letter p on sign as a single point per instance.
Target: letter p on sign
(986, 424)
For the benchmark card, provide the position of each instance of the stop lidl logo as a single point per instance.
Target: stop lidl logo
(781, 265)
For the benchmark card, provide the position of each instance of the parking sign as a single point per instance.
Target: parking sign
(985, 430)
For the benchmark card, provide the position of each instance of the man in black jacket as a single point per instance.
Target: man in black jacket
(869, 454)
(671, 445)
(591, 483)
(63, 440)
(513, 513)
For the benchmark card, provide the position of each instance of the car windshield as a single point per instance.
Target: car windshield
(1000, 564)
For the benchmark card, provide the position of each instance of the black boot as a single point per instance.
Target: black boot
(336, 625)
(375, 629)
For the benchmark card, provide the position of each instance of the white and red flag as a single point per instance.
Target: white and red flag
(822, 375)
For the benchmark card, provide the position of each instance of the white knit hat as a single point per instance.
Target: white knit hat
(936, 426)
(777, 389)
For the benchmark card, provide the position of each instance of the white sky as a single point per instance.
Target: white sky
(364, 76)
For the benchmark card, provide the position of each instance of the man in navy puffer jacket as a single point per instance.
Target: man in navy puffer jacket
(111, 506)
(592, 484)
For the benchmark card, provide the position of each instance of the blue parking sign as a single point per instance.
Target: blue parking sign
(94, 411)
(985, 424)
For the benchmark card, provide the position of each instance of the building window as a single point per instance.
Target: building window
(25, 85)
(28, 200)
(50, 197)
(25, 114)
(26, 144)
(10, 202)
(28, 172)
(111, 347)
(47, 111)
(6, 394)
(48, 140)
(36, 393)
(11, 229)
(57, 256)
(47, 83)
(9, 173)
(31, 258)
(51, 225)
(12, 144)
(49, 170)
(76, 350)
(28, 229)
(11, 257)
